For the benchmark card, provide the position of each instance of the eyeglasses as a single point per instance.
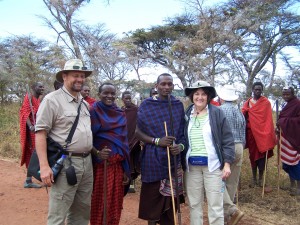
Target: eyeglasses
(78, 68)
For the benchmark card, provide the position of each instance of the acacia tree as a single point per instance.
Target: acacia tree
(293, 78)
(160, 45)
(136, 58)
(63, 12)
(264, 28)
(108, 62)
(190, 48)
(25, 60)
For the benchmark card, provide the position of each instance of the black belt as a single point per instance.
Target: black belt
(83, 154)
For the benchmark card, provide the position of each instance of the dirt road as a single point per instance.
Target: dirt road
(29, 206)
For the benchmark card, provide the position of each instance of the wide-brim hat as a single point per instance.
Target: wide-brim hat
(227, 93)
(73, 65)
(200, 84)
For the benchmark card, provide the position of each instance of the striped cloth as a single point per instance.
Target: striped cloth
(165, 185)
(114, 190)
(196, 135)
(289, 154)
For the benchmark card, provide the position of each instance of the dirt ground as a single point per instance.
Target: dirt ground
(29, 206)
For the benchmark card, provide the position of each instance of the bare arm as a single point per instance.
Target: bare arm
(142, 136)
(163, 142)
(41, 149)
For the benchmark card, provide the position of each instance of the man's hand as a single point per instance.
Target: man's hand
(125, 179)
(175, 149)
(46, 174)
(166, 141)
(104, 153)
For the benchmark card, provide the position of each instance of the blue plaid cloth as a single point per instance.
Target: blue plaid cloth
(151, 116)
(236, 121)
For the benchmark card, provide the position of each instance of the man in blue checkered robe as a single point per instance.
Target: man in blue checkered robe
(155, 200)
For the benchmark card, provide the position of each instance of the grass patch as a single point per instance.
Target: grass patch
(10, 131)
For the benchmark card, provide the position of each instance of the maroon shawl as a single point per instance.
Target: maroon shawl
(131, 116)
(289, 122)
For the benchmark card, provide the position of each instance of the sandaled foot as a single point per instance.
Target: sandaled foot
(235, 217)
(253, 184)
(260, 183)
(32, 185)
(295, 192)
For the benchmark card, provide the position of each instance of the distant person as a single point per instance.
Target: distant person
(153, 92)
(28, 112)
(110, 140)
(55, 118)
(227, 97)
(134, 144)
(260, 136)
(85, 92)
(215, 102)
(209, 154)
(155, 198)
(289, 124)
(57, 85)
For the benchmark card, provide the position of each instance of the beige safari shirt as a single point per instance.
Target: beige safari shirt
(57, 114)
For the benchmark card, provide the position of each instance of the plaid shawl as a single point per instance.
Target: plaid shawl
(151, 116)
(27, 138)
(108, 125)
(289, 122)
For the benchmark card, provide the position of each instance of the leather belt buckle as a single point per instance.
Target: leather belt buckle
(85, 154)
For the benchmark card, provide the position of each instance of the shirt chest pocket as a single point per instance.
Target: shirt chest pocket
(69, 117)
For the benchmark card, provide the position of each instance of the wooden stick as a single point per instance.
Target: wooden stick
(278, 161)
(170, 177)
(237, 197)
(265, 174)
(104, 192)
(175, 161)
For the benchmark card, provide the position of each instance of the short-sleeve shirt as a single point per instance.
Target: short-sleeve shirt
(57, 114)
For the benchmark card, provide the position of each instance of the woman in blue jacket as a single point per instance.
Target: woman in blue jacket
(208, 154)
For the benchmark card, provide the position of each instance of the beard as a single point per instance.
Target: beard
(76, 87)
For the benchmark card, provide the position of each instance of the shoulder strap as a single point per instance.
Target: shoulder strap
(73, 128)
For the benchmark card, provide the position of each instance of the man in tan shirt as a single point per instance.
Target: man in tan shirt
(55, 118)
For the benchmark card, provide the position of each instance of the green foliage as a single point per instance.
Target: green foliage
(9, 131)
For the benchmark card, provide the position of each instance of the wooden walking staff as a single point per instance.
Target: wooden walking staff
(175, 161)
(105, 192)
(278, 160)
(170, 177)
(265, 174)
(278, 146)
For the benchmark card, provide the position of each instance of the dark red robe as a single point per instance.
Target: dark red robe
(260, 133)
(90, 100)
(27, 138)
